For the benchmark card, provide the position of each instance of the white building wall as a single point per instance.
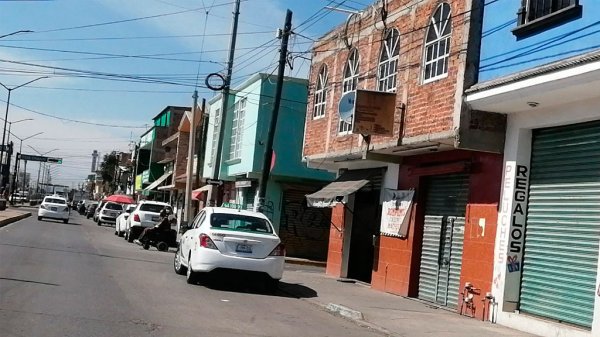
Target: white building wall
(517, 151)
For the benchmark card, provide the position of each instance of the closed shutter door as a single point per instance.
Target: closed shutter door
(304, 230)
(563, 224)
(443, 235)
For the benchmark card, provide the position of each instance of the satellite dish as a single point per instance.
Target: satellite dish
(346, 106)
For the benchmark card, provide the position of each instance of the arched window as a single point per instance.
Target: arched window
(437, 44)
(320, 97)
(349, 84)
(388, 62)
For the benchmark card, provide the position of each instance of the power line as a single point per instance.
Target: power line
(110, 38)
(75, 120)
(125, 20)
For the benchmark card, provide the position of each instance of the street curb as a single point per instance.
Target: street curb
(345, 311)
(14, 219)
(305, 262)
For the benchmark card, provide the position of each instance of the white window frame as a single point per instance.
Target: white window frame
(215, 135)
(320, 96)
(349, 84)
(387, 70)
(432, 56)
(237, 129)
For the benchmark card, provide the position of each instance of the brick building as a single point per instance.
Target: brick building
(426, 53)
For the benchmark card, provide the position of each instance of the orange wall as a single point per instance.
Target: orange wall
(396, 268)
(334, 253)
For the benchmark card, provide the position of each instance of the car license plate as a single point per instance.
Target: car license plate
(154, 218)
(241, 248)
(53, 209)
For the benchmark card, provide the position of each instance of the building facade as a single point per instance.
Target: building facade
(304, 231)
(423, 54)
(150, 158)
(540, 67)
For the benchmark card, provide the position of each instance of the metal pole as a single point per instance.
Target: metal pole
(266, 168)
(225, 98)
(37, 183)
(4, 136)
(14, 181)
(201, 149)
(25, 181)
(188, 215)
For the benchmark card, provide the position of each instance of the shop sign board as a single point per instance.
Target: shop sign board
(395, 212)
(374, 113)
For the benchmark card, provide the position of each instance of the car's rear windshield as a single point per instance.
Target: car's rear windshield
(114, 206)
(239, 222)
(55, 201)
(153, 208)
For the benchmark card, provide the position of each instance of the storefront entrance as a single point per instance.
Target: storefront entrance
(562, 232)
(443, 235)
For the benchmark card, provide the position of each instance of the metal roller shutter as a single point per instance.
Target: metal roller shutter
(563, 224)
(443, 235)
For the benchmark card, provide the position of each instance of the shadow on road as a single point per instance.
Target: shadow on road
(243, 282)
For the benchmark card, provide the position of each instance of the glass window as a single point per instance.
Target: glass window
(237, 129)
(437, 44)
(239, 222)
(114, 206)
(154, 208)
(388, 62)
(349, 84)
(320, 97)
(199, 219)
(55, 201)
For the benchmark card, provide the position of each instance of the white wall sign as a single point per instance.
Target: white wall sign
(395, 210)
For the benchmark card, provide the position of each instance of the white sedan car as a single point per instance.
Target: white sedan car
(121, 222)
(54, 207)
(146, 214)
(224, 238)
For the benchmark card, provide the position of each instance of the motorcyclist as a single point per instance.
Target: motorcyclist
(164, 224)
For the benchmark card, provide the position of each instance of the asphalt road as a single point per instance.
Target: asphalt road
(79, 279)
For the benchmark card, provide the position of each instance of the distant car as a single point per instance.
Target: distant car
(109, 213)
(224, 238)
(91, 209)
(54, 207)
(146, 214)
(121, 222)
(98, 209)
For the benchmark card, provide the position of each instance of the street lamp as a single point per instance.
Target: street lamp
(15, 122)
(18, 168)
(40, 167)
(6, 118)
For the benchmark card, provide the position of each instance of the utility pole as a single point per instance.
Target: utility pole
(225, 98)
(188, 215)
(266, 168)
(14, 181)
(202, 148)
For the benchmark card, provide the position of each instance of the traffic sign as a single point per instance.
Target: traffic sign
(55, 160)
(214, 182)
(31, 157)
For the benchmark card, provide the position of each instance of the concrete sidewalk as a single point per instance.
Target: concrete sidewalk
(390, 314)
(11, 215)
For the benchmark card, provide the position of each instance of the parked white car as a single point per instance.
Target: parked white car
(54, 207)
(224, 238)
(146, 214)
(121, 222)
(109, 213)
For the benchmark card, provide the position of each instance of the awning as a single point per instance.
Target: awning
(166, 187)
(197, 192)
(348, 183)
(158, 181)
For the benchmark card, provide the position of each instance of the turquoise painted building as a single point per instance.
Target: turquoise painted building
(304, 230)
(540, 68)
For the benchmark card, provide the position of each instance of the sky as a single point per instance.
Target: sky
(112, 65)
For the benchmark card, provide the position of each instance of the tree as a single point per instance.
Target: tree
(108, 170)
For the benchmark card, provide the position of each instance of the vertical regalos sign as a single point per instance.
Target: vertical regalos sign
(395, 212)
